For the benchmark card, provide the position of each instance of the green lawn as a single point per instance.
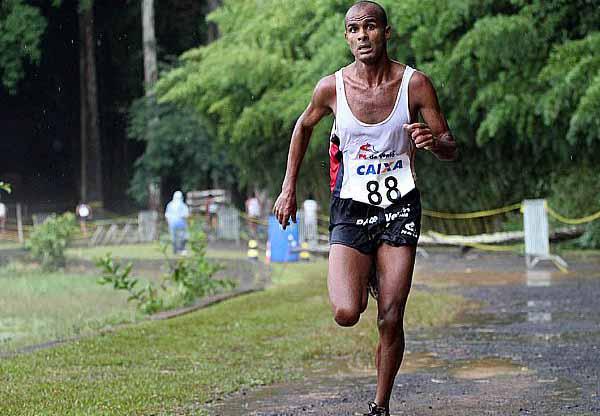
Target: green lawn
(38, 307)
(9, 245)
(144, 251)
(173, 367)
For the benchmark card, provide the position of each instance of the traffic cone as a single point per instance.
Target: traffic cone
(252, 250)
(304, 253)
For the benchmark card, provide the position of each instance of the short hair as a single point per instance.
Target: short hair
(379, 7)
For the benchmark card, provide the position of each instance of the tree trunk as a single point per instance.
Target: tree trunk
(150, 77)
(149, 38)
(213, 30)
(91, 148)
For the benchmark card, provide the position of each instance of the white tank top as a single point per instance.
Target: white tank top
(376, 162)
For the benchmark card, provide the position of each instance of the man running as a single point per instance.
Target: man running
(375, 207)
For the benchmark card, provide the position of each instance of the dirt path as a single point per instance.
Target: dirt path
(533, 349)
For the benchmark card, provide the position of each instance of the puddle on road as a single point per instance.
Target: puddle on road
(486, 368)
(325, 383)
(475, 277)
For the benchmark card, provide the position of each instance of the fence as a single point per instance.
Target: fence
(483, 230)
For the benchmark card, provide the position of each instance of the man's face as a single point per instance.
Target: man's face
(365, 33)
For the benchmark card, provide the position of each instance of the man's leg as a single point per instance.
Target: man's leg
(347, 282)
(395, 268)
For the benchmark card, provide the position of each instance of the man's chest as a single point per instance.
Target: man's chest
(372, 105)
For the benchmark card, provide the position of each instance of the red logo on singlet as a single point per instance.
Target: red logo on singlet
(367, 147)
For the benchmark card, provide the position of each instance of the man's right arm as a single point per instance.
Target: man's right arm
(321, 104)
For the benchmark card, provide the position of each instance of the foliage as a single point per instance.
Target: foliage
(178, 146)
(49, 240)
(21, 28)
(5, 187)
(575, 193)
(192, 275)
(518, 81)
(119, 277)
(189, 278)
(591, 236)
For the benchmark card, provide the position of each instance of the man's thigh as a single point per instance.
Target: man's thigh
(395, 267)
(348, 276)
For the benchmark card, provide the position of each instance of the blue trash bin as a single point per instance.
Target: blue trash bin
(283, 242)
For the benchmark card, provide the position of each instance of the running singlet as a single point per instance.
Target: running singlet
(371, 163)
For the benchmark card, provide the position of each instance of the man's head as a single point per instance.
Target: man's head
(367, 30)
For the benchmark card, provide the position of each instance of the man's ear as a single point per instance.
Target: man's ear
(388, 32)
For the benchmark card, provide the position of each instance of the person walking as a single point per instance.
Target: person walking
(176, 214)
(375, 213)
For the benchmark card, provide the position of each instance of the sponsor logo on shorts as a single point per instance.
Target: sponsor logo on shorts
(403, 213)
(367, 221)
(409, 229)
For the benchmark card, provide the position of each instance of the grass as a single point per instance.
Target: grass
(38, 307)
(9, 245)
(143, 252)
(173, 367)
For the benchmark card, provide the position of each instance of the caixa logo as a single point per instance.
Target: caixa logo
(378, 168)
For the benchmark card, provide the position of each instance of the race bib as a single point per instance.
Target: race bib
(379, 182)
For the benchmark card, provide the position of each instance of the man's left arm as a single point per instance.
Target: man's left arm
(433, 135)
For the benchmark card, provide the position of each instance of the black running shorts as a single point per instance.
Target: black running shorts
(365, 227)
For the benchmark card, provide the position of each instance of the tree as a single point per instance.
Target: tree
(491, 61)
(91, 146)
(21, 29)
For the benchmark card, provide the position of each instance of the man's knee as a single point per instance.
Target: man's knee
(345, 316)
(391, 316)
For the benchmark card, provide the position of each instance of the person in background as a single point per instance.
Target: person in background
(84, 214)
(253, 213)
(310, 208)
(3, 215)
(176, 214)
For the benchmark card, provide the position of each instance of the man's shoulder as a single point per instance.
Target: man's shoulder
(326, 84)
(419, 81)
(324, 94)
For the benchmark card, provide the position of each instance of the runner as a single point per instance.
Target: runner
(375, 207)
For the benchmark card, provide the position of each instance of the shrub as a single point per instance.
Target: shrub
(188, 279)
(49, 240)
(193, 274)
(575, 194)
(119, 277)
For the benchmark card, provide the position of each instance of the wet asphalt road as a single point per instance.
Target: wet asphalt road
(533, 348)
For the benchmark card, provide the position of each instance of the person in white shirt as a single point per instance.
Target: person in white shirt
(3, 215)
(310, 208)
(375, 210)
(84, 214)
(176, 214)
(253, 212)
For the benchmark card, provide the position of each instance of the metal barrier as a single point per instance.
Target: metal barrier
(228, 225)
(537, 241)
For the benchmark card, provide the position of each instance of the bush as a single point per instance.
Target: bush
(574, 195)
(591, 236)
(193, 274)
(49, 240)
(188, 279)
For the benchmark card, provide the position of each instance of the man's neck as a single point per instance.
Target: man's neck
(374, 73)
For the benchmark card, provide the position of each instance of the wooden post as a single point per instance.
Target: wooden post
(20, 224)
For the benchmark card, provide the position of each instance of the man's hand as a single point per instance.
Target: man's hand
(421, 135)
(285, 207)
